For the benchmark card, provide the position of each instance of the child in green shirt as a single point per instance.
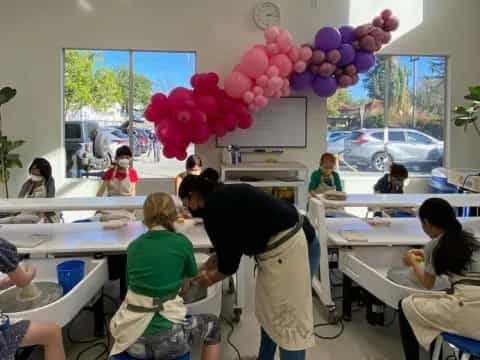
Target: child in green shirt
(325, 178)
(160, 264)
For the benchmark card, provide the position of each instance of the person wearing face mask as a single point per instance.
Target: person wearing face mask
(325, 178)
(120, 180)
(393, 183)
(243, 220)
(193, 166)
(40, 184)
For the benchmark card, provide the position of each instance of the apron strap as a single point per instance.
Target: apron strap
(157, 302)
(287, 236)
(471, 282)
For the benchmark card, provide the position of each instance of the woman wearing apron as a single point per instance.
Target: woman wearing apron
(325, 178)
(193, 166)
(243, 220)
(120, 180)
(452, 252)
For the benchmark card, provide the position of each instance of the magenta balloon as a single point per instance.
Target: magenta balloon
(378, 21)
(345, 80)
(386, 14)
(324, 86)
(318, 56)
(351, 69)
(392, 24)
(368, 43)
(314, 69)
(347, 33)
(347, 53)
(326, 69)
(334, 56)
(328, 38)
(364, 60)
(386, 37)
(338, 73)
(301, 81)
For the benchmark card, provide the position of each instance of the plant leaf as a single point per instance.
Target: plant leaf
(474, 93)
(6, 94)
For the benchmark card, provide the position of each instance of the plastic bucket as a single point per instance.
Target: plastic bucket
(70, 273)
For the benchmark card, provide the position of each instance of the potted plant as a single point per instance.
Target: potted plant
(468, 115)
(8, 160)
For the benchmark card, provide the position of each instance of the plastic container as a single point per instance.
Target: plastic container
(70, 273)
(439, 183)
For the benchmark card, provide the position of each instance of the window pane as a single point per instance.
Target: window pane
(157, 72)
(93, 109)
(396, 136)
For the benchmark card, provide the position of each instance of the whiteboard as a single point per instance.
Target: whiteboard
(282, 123)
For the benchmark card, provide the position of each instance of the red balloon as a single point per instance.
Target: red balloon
(230, 122)
(181, 155)
(208, 104)
(245, 122)
(180, 95)
(169, 152)
(200, 133)
(150, 114)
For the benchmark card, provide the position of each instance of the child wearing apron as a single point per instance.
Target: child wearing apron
(152, 322)
(325, 178)
(24, 333)
(120, 180)
(452, 252)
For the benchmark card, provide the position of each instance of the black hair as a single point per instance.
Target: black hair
(203, 184)
(398, 170)
(123, 151)
(43, 166)
(454, 250)
(192, 161)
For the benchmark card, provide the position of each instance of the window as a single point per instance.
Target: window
(105, 94)
(400, 92)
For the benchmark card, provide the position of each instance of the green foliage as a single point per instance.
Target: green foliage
(334, 102)
(105, 91)
(468, 115)
(78, 80)
(142, 88)
(8, 160)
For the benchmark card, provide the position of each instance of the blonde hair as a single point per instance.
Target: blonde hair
(159, 209)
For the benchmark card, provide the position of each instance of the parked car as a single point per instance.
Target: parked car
(365, 148)
(141, 140)
(116, 138)
(336, 141)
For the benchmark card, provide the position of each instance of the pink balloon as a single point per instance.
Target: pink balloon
(261, 101)
(344, 80)
(273, 71)
(286, 84)
(248, 97)
(294, 54)
(254, 62)
(271, 34)
(237, 84)
(326, 69)
(386, 14)
(392, 24)
(318, 57)
(269, 92)
(273, 49)
(208, 104)
(262, 80)
(368, 43)
(300, 66)
(252, 107)
(278, 94)
(334, 56)
(286, 92)
(257, 90)
(245, 122)
(351, 69)
(378, 21)
(283, 63)
(275, 83)
(305, 53)
(285, 41)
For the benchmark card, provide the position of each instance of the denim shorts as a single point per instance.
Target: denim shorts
(168, 344)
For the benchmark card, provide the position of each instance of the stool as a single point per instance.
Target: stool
(468, 347)
(125, 356)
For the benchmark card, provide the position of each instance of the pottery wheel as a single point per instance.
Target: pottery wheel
(10, 299)
(402, 276)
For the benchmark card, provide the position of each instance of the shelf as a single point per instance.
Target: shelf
(264, 166)
(272, 183)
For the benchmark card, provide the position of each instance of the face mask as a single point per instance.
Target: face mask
(36, 178)
(198, 213)
(195, 172)
(124, 163)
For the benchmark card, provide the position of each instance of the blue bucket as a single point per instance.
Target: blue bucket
(70, 273)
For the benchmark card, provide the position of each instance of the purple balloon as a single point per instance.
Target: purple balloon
(301, 81)
(364, 60)
(348, 54)
(324, 86)
(328, 38)
(348, 35)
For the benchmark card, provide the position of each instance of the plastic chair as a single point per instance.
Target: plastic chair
(467, 347)
(125, 356)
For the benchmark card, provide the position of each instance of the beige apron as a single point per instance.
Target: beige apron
(135, 314)
(28, 217)
(322, 187)
(457, 313)
(116, 187)
(283, 293)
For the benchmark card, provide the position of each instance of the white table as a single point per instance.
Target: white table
(316, 213)
(72, 204)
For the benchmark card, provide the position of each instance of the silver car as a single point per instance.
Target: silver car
(366, 149)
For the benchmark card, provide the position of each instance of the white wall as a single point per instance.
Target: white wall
(33, 33)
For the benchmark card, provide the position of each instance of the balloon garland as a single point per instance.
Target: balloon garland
(266, 71)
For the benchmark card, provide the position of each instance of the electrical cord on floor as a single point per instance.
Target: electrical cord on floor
(333, 337)
(229, 336)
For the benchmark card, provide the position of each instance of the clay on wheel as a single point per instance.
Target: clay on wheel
(29, 293)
